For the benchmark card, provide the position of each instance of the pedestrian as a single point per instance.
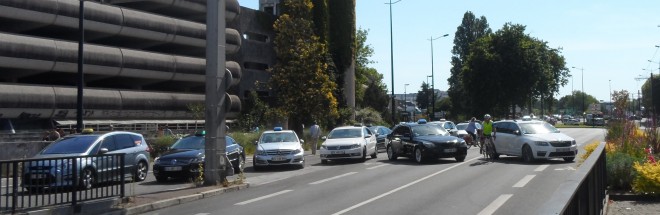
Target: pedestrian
(51, 135)
(167, 131)
(61, 132)
(315, 131)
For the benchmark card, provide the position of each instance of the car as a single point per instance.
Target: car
(278, 147)
(381, 136)
(572, 121)
(94, 168)
(185, 158)
(348, 142)
(423, 141)
(464, 134)
(449, 126)
(533, 140)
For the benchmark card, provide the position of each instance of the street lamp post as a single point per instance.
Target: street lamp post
(583, 94)
(432, 76)
(392, 58)
(428, 109)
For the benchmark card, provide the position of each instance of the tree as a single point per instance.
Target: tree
(470, 30)
(341, 38)
(304, 89)
(651, 98)
(424, 96)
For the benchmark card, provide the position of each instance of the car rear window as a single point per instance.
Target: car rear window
(70, 145)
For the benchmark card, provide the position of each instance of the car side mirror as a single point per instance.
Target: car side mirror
(256, 142)
(516, 132)
(324, 137)
(367, 136)
(302, 141)
(103, 151)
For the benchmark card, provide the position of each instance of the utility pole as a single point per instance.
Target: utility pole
(432, 77)
(81, 77)
(392, 61)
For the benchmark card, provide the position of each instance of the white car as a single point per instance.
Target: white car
(447, 125)
(279, 147)
(349, 142)
(532, 140)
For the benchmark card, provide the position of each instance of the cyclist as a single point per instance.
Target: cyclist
(488, 131)
(472, 129)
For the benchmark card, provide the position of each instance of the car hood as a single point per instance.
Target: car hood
(280, 145)
(439, 139)
(550, 137)
(182, 153)
(343, 141)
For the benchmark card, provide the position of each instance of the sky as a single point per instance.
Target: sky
(612, 41)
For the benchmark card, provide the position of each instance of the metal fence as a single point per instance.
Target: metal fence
(36, 183)
(583, 192)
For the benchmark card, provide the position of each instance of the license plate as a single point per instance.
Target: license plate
(450, 150)
(279, 158)
(563, 149)
(337, 152)
(173, 168)
(38, 176)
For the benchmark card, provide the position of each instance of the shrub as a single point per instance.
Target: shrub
(588, 149)
(620, 171)
(160, 145)
(246, 140)
(647, 180)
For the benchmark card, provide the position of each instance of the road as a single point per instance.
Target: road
(379, 186)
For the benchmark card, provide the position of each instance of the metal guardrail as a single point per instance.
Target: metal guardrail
(584, 191)
(36, 183)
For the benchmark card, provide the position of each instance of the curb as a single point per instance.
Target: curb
(180, 200)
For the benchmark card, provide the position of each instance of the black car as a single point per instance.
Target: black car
(186, 157)
(422, 141)
(381, 135)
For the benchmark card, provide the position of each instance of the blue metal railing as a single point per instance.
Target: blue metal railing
(36, 183)
(584, 191)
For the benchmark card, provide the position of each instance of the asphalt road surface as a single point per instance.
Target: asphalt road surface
(379, 186)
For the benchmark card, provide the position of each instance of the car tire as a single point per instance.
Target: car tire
(161, 179)
(569, 159)
(87, 178)
(390, 153)
(141, 171)
(364, 155)
(527, 154)
(419, 156)
(240, 164)
(460, 158)
(494, 154)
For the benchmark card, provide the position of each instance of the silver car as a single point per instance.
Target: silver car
(278, 147)
(55, 165)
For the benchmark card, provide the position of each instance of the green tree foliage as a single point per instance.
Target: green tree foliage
(304, 89)
(369, 116)
(424, 96)
(620, 100)
(470, 30)
(320, 13)
(370, 91)
(341, 38)
(651, 99)
(573, 103)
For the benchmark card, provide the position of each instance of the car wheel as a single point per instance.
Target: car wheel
(527, 155)
(240, 164)
(87, 178)
(324, 161)
(570, 159)
(460, 158)
(493, 152)
(364, 155)
(419, 157)
(141, 171)
(390, 153)
(161, 179)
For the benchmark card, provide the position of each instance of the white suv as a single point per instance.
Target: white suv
(533, 140)
(349, 142)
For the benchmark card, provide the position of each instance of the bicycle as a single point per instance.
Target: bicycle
(488, 147)
(471, 141)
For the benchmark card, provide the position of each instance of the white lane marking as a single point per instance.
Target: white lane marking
(524, 181)
(263, 197)
(490, 209)
(541, 168)
(202, 214)
(402, 187)
(567, 168)
(374, 167)
(333, 178)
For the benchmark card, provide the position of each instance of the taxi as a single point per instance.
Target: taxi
(278, 147)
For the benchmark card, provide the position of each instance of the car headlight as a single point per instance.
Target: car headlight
(429, 145)
(296, 151)
(355, 146)
(261, 152)
(323, 146)
(573, 143)
(157, 160)
(541, 143)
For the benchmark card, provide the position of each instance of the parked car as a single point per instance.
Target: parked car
(92, 170)
(279, 147)
(349, 142)
(449, 126)
(572, 121)
(532, 140)
(423, 141)
(381, 136)
(185, 158)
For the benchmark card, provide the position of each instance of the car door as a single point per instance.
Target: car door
(396, 141)
(517, 140)
(106, 164)
(406, 141)
(371, 140)
(503, 136)
(233, 149)
(126, 144)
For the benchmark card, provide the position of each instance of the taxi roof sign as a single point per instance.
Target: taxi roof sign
(277, 129)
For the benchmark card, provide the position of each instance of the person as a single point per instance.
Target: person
(472, 129)
(315, 131)
(61, 132)
(51, 135)
(488, 130)
(167, 131)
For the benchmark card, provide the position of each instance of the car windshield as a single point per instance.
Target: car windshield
(461, 126)
(345, 133)
(278, 137)
(428, 130)
(190, 142)
(537, 128)
(71, 145)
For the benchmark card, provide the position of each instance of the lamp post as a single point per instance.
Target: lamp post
(432, 76)
(405, 99)
(392, 58)
(81, 80)
(583, 94)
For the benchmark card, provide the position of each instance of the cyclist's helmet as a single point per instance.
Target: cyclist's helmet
(487, 116)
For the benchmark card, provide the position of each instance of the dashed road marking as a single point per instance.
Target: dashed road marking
(333, 178)
(524, 181)
(541, 168)
(263, 197)
(566, 168)
(490, 209)
(374, 167)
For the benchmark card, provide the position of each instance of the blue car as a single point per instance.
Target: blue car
(381, 136)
